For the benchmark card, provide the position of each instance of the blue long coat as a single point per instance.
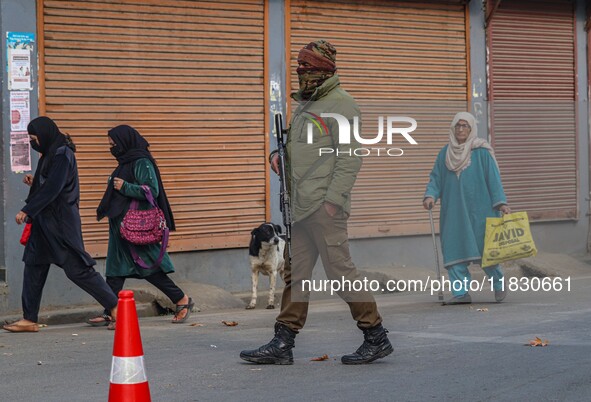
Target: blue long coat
(466, 202)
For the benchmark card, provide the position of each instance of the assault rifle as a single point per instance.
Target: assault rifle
(284, 189)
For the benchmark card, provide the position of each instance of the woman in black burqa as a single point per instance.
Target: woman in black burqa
(136, 168)
(56, 235)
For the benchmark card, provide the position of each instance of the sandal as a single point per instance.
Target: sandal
(180, 307)
(111, 326)
(17, 326)
(99, 321)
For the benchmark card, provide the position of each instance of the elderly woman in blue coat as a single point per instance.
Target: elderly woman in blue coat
(466, 180)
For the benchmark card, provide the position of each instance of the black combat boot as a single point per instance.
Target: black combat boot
(375, 346)
(278, 351)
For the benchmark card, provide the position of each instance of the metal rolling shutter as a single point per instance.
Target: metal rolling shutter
(401, 58)
(189, 76)
(533, 94)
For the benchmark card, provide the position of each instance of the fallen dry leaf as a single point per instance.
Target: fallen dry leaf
(319, 359)
(538, 342)
(482, 309)
(230, 323)
(197, 324)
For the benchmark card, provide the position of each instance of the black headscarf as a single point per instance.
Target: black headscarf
(50, 139)
(132, 147)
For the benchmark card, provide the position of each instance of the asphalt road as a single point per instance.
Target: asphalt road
(452, 353)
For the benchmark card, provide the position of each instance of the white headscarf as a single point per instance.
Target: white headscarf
(458, 155)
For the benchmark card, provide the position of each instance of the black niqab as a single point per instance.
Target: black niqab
(132, 147)
(50, 139)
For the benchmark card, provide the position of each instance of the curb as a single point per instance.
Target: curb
(150, 302)
(79, 314)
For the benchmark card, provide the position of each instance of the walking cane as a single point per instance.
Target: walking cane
(440, 294)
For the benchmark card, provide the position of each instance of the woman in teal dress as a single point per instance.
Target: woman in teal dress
(136, 168)
(466, 180)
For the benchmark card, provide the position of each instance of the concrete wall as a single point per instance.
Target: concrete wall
(2, 150)
(230, 268)
(15, 16)
(479, 105)
(276, 45)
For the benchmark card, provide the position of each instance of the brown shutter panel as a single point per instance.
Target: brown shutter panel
(396, 58)
(533, 109)
(189, 76)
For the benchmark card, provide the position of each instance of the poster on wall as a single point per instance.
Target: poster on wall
(20, 151)
(19, 47)
(20, 112)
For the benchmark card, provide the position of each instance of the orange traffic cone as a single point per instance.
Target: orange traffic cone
(128, 375)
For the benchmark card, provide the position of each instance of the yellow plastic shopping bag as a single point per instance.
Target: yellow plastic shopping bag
(507, 238)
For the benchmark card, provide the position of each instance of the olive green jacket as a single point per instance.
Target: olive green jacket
(331, 179)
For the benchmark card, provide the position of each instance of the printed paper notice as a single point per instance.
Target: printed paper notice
(20, 151)
(19, 50)
(20, 114)
(20, 69)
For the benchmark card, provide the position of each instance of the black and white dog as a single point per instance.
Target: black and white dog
(266, 257)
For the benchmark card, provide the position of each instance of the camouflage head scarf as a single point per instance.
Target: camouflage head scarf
(320, 57)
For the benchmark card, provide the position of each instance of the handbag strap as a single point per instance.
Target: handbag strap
(138, 260)
(148, 193)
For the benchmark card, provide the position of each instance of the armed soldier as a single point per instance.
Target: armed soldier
(320, 194)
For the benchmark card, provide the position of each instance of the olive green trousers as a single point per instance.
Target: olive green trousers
(327, 237)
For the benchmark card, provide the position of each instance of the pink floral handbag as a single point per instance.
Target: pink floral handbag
(144, 227)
